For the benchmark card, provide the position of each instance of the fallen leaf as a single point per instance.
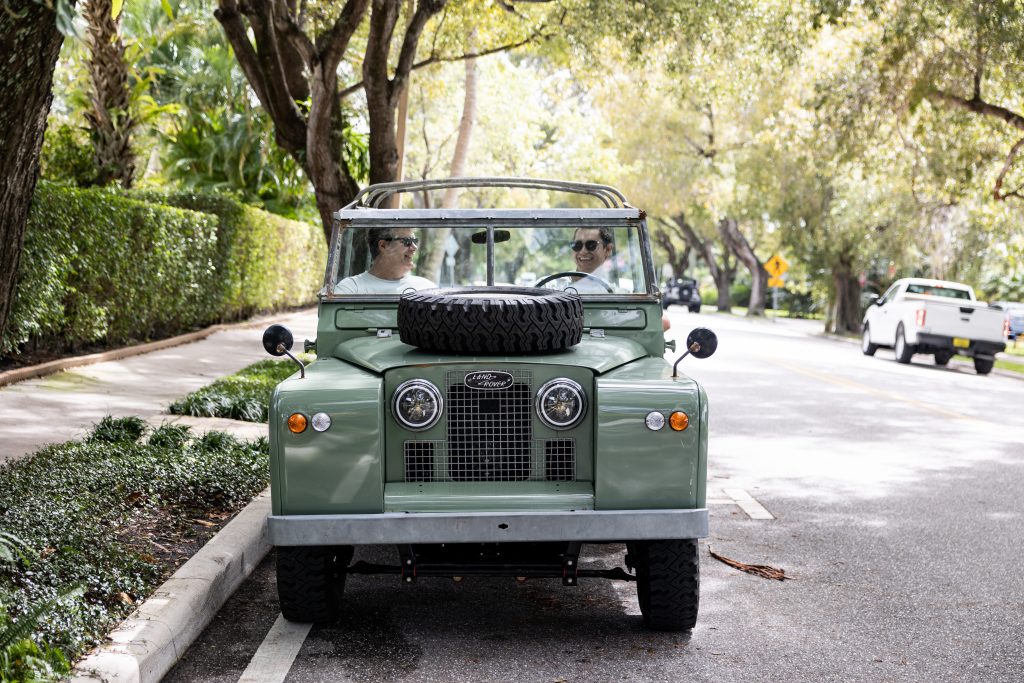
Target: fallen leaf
(762, 570)
(125, 598)
(204, 522)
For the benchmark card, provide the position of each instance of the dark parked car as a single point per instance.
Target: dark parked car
(682, 291)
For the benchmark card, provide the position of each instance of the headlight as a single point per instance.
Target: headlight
(417, 404)
(561, 403)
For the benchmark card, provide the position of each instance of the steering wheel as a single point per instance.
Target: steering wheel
(573, 273)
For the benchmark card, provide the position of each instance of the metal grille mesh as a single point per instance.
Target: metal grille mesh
(546, 460)
(489, 432)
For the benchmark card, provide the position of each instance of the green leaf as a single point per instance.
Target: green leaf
(168, 10)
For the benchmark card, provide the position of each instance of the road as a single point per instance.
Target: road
(890, 493)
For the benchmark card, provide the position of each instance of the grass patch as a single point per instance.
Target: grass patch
(244, 395)
(114, 515)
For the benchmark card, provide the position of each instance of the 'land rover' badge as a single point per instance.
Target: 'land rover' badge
(489, 380)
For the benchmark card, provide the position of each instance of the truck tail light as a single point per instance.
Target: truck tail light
(920, 317)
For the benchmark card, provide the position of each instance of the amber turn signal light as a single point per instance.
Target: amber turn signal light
(297, 423)
(679, 421)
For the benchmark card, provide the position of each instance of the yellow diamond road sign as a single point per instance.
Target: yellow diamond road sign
(776, 266)
(775, 282)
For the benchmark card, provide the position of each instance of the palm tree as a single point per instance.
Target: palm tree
(110, 117)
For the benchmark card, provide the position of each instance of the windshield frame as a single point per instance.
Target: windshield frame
(491, 220)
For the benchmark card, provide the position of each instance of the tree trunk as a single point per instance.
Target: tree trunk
(734, 239)
(678, 259)
(845, 309)
(431, 263)
(723, 273)
(29, 45)
(110, 118)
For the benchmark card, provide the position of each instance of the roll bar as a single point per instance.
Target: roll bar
(373, 196)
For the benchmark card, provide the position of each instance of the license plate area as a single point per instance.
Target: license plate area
(961, 343)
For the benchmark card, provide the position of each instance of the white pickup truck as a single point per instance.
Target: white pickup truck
(916, 315)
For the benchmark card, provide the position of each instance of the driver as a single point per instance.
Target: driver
(392, 251)
(592, 248)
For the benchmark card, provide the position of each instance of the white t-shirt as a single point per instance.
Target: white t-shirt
(365, 283)
(588, 285)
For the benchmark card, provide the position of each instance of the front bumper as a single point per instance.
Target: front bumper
(930, 343)
(486, 527)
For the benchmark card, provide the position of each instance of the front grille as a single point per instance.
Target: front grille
(489, 432)
(490, 438)
(545, 460)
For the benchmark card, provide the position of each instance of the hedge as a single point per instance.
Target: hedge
(102, 268)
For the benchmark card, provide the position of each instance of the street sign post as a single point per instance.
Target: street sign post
(776, 267)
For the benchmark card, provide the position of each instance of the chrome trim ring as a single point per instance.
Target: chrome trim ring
(434, 393)
(572, 386)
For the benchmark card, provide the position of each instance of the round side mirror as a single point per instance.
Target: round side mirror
(277, 339)
(701, 342)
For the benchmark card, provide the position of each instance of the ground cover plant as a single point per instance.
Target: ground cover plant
(241, 396)
(102, 522)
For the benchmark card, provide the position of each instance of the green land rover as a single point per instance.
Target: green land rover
(489, 394)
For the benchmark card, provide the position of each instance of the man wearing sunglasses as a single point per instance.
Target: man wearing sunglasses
(392, 254)
(591, 249)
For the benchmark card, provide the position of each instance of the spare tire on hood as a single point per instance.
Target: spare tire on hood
(490, 319)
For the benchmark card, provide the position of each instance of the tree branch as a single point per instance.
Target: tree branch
(979, 106)
(434, 59)
(407, 54)
(997, 192)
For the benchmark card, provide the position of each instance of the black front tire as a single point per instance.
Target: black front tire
(695, 308)
(668, 583)
(866, 347)
(983, 366)
(310, 582)
(943, 357)
(904, 351)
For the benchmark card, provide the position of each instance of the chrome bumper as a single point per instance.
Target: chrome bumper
(487, 527)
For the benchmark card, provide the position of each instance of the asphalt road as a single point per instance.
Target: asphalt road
(890, 493)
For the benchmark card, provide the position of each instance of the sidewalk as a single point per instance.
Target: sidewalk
(66, 404)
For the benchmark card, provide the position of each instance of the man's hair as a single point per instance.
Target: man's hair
(373, 238)
(607, 236)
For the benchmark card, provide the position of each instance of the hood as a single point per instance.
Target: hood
(379, 355)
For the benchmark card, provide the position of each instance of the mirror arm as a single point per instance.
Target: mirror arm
(679, 360)
(302, 368)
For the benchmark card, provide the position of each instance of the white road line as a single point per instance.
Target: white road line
(747, 503)
(275, 655)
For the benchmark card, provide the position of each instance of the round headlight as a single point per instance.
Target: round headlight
(561, 403)
(417, 404)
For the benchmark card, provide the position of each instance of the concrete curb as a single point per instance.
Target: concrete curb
(144, 647)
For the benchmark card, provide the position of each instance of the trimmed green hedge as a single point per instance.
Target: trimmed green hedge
(99, 267)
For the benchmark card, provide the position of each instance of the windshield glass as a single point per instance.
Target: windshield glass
(593, 261)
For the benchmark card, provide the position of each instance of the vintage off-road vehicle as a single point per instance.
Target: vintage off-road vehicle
(492, 411)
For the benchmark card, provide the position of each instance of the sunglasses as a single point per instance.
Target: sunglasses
(407, 241)
(591, 245)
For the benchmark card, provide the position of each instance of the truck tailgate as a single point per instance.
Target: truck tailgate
(963, 319)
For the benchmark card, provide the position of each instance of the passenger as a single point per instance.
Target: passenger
(391, 253)
(592, 249)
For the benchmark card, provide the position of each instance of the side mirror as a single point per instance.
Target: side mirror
(701, 343)
(278, 340)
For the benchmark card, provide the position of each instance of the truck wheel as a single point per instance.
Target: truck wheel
(695, 308)
(310, 581)
(983, 366)
(904, 351)
(942, 357)
(668, 583)
(866, 347)
(490, 319)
